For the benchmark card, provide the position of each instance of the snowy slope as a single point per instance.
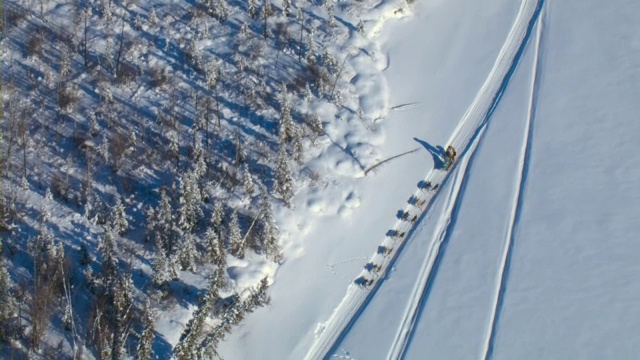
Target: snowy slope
(538, 256)
(507, 225)
(573, 273)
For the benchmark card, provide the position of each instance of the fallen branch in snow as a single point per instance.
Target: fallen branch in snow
(389, 159)
(405, 106)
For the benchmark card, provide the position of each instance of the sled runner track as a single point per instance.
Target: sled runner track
(469, 130)
(405, 332)
(420, 290)
(525, 153)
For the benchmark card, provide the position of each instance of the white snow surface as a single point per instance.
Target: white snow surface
(528, 249)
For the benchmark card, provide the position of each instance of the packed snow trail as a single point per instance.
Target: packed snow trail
(420, 289)
(517, 201)
(468, 130)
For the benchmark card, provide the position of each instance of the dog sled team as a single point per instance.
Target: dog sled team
(450, 158)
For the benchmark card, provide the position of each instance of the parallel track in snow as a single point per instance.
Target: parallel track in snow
(514, 216)
(425, 276)
(467, 133)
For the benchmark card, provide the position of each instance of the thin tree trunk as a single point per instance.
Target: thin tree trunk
(335, 81)
(300, 42)
(217, 105)
(86, 61)
(120, 49)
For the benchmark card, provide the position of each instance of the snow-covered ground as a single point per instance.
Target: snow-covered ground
(537, 226)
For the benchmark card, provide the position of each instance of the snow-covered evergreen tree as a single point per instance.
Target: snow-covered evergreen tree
(286, 7)
(199, 161)
(217, 217)
(241, 153)
(221, 10)
(48, 196)
(286, 125)
(212, 75)
(189, 346)
(45, 215)
(145, 341)
(269, 230)
(7, 301)
(65, 64)
(137, 22)
(329, 61)
(108, 248)
(122, 303)
(259, 296)
(244, 30)
(266, 13)
(284, 180)
(153, 16)
(252, 8)
(218, 278)
(67, 317)
(174, 148)
(215, 253)
(189, 211)
(247, 180)
(161, 271)
(236, 241)
(316, 124)
(298, 148)
(331, 17)
(187, 254)
(311, 47)
(119, 222)
(160, 222)
(308, 94)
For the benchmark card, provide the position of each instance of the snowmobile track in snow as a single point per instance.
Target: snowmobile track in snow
(514, 216)
(465, 136)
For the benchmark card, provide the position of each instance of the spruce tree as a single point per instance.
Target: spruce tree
(311, 47)
(298, 148)
(252, 9)
(214, 252)
(48, 196)
(119, 221)
(217, 217)
(316, 124)
(189, 211)
(189, 346)
(162, 222)
(7, 301)
(199, 161)
(244, 31)
(237, 245)
(259, 296)
(161, 274)
(269, 230)
(222, 10)
(122, 303)
(266, 12)
(212, 75)
(67, 318)
(285, 126)
(109, 270)
(145, 342)
(284, 180)
(247, 181)
(153, 17)
(187, 253)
